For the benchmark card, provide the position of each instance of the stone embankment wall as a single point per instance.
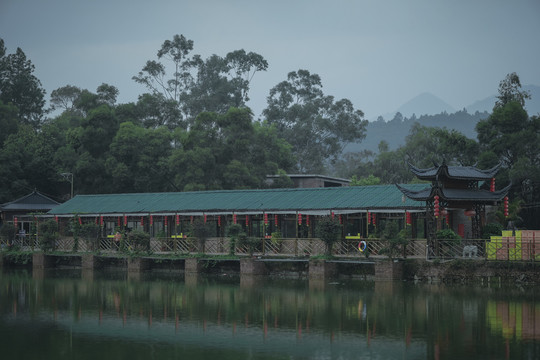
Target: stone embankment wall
(472, 271)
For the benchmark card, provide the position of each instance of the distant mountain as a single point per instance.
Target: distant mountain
(395, 131)
(429, 110)
(532, 105)
(425, 103)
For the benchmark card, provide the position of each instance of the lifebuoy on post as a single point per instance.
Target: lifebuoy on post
(362, 245)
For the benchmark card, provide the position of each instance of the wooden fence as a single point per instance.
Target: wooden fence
(297, 247)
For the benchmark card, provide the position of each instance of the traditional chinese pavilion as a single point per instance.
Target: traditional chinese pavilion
(457, 190)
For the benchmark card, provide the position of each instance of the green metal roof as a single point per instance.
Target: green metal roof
(379, 197)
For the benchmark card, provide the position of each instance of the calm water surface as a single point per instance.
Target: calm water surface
(74, 315)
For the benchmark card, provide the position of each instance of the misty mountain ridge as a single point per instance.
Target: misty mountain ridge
(429, 110)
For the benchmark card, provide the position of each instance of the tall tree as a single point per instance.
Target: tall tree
(197, 85)
(9, 121)
(20, 87)
(511, 136)
(317, 126)
(510, 90)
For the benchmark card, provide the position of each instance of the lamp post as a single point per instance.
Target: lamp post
(69, 177)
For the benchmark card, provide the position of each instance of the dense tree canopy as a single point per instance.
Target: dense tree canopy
(193, 131)
(317, 126)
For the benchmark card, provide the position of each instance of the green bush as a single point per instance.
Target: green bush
(394, 240)
(140, 240)
(251, 243)
(90, 233)
(329, 231)
(233, 232)
(491, 229)
(8, 232)
(201, 231)
(48, 234)
(447, 234)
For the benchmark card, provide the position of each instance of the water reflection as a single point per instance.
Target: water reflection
(113, 315)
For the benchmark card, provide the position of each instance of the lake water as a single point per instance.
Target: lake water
(110, 315)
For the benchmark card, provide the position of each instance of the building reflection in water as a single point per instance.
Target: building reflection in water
(287, 316)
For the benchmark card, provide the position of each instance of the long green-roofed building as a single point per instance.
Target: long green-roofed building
(320, 201)
(260, 211)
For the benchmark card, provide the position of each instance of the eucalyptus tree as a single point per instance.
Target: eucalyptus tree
(19, 86)
(196, 85)
(316, 125)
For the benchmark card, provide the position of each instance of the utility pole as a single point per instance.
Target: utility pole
(69, 177)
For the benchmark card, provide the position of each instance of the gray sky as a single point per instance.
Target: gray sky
(379, 53)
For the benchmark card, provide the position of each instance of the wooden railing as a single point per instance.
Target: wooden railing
(297, 247)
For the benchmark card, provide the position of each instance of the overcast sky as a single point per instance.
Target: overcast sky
(379, 53)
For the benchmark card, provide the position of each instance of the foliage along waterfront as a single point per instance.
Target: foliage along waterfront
(110, 315)
(192, 130)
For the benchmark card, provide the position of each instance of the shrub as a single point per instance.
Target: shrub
(491, 229)
(277, 238)
(394, 240)
(90, 233)
(251, 243)
(201, 231)
(328, 230)
(8, 232)
(48, 233)
(233, 232)
(447, 234)
(139, 240)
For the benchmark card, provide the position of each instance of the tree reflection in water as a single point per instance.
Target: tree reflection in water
(111, 315)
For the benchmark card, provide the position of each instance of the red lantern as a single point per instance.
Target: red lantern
(340, 219)
(219, 220)
(276, 222)
(142, 220)
(15, 221)
(97, 220)
(177, 219)
(436, 206)
(265, 219)
(247, 220)
(166, 220)
(447, 218)
(374, 219)
(492, 186)
(307, 220)
(368, 218)
(506, 206)
(234, 218)
(205, 218)
(125, 220)
(299, 219)
(56, 218)
(101, 221)
(80, 221)
(119, 221)
(151, 220)
(408, 218)
(333, 215)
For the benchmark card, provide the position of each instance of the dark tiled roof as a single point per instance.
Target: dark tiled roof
(476, 195)
(455, 172)
(33, 201)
